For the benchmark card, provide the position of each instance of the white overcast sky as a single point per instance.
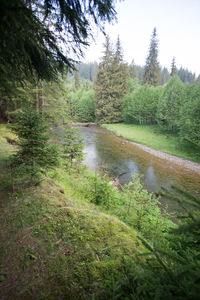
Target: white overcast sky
(178, 28)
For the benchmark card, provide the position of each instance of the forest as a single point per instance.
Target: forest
(174, 105)
(67, 232)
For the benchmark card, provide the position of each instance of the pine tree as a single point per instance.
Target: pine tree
(173, 67)
(119, 83)
(103, 83)
(111, 84)
(35, 155)
(73, 146)
(152, 73)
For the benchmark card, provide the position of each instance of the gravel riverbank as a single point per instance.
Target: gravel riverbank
(193, 166)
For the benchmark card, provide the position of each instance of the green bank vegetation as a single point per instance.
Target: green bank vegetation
(155, 138)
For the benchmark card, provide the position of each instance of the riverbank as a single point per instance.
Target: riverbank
(163, 146)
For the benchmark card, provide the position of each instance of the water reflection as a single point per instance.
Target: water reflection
(123, 159)
(90, 156)
(151, 180)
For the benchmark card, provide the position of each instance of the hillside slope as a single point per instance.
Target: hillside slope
(54, 246)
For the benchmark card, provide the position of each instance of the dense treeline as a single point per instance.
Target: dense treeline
(46, 97)
(121, 94)
(82, 105)
(89, 70)
(140, 106)
(174, 107)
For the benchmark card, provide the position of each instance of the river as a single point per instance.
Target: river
(104, 150)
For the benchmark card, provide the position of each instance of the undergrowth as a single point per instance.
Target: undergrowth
(51, 247)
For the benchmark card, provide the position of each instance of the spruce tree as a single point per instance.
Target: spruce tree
(173, 67)
(35, 155)
(111, 84)
(72, 147)
(119, 83)
(152, 72)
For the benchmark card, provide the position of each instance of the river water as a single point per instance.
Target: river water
(104, 150)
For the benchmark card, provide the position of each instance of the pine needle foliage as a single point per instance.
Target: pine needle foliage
(173, 67)
(110, 84)
(170, 265)
(152, 71)
(35, 155)
(39, 37)
(72, 146)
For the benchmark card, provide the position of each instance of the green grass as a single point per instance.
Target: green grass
(153, 137)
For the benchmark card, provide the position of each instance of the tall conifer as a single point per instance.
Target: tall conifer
(111, 84)
(173, 67)
(152, 72)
